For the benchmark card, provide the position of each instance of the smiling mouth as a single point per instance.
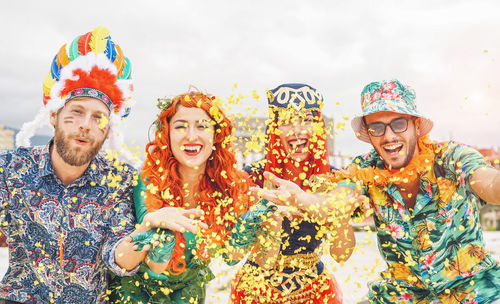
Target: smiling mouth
(393, 148)
(298, 145)
(192, 150)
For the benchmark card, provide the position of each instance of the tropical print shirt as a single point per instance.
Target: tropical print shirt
(441, 241)
(62, 238)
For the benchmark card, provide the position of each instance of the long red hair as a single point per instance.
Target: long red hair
(222, 196)
(276, 156)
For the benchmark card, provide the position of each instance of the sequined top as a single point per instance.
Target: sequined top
(298, 237)
(61, 238)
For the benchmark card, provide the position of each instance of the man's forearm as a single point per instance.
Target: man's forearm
(496, 189)
(485, 182)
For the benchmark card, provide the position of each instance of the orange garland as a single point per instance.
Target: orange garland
(378, 177)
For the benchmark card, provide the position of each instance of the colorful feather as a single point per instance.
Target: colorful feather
(126, 112)
(99, 39)
(83, 44)
(97, 42)
(110, 50)
(73, 49)
(62, 57)
(48, 82)
(120, 60)
(55, 69)
(127, 70)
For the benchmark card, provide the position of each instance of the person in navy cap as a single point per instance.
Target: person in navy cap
(285, 266)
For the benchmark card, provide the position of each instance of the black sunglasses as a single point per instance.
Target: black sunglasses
(398, 125)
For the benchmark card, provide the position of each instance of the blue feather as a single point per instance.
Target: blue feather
(55, 69)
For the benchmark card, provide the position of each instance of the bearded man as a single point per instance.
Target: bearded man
(67, 210)
(425, 198)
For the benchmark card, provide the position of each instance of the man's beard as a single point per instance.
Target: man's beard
(73, 157)
(411, 152)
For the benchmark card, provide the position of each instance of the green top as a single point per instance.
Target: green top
(150, 287)
(441, 242)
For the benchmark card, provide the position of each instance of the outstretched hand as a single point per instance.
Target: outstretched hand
(175, 219)
(285, 193)
(172, 218)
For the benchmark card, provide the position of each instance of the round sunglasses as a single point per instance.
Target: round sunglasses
(398, 125)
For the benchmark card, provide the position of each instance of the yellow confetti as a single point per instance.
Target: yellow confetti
(103, 121)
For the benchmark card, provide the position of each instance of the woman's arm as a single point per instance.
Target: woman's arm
(252, 227)
(267, 248)
(128, 254)
(334, 209)
(342, 240)
(341, 200)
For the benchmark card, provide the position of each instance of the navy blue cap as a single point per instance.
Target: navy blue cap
(298, 96)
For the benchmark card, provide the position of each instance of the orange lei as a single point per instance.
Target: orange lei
(378, 177)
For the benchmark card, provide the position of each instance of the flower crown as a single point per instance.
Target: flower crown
(163, 103)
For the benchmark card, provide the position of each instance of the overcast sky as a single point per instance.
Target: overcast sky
(448, 51)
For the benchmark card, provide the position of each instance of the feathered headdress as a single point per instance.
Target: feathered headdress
(92, 65)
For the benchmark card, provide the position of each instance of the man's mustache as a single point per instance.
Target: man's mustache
(88, 138)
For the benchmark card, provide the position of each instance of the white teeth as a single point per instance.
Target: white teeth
(192, 148)
(393, 147)
(299, 142)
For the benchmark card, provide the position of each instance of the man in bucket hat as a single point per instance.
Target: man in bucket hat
(425, 199)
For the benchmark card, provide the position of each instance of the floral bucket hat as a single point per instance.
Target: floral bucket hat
(391, 96)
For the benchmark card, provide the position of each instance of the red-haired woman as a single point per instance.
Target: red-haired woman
(190, 166)
(286, 267)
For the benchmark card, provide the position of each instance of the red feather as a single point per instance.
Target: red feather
(99, 79)
(83, 43)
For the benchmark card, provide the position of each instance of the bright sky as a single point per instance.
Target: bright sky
(448, 51)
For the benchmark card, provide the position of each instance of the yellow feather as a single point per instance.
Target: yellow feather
(47, 84)
(98, 40)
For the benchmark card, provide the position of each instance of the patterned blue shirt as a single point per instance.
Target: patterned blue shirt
(62, 238)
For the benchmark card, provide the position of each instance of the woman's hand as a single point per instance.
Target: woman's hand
(175, 219)
(172, 218)
(285, 194)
